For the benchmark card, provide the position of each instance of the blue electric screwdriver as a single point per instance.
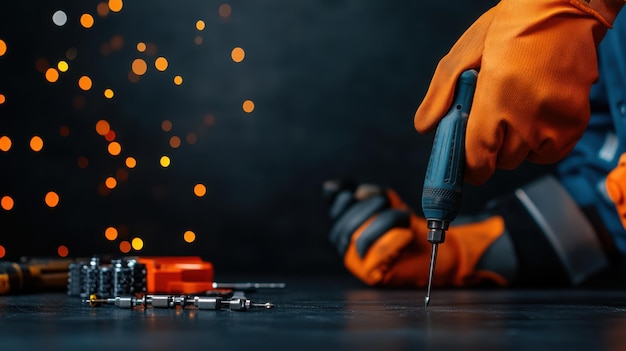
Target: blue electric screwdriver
(443, 184)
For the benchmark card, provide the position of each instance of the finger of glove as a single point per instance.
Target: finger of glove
(353, 218)
(465, 54)
(381, 256)
(382, 223)
(342, 202)
(331, 188)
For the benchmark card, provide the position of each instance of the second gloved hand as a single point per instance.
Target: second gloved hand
(383, 243)
(537, 62)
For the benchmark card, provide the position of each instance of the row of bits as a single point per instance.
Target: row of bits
(115, 277)
(173, 301)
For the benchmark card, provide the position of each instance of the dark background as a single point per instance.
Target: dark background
(335, 85)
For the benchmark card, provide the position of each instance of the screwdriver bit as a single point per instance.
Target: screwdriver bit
(173, 301)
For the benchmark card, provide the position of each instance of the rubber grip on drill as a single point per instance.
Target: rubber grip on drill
(443, 184)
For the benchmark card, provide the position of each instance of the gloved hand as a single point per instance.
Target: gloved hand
(537, 62)
(616, 187)
(384, 244)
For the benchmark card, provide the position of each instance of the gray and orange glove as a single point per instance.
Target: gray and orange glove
(537, 62)
(384, 244)
(616, 187)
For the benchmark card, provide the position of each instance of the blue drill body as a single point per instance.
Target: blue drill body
(443, 184)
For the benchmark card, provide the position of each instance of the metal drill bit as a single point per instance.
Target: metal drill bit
(433, 260)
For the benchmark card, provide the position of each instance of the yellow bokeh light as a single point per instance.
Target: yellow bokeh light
(141, 46)
(175, 142)
(103, 127)
(161, 63)
(237, 54)
(3, 47)
(3, 99)
(248, 106)
(200, 25)
(189, 236)
(110, 233)
(139, 67)
(131, 162)
(52, 75)
(178, 80)
(63, 66)
(5, 143)
(7, 203)
(116, 5)
(165, 161)
(224, 10)
(137, 244)
(86, 20)
(36, 143)
(199, 190)
(52, 199)
(109, 93)
(125, 246)
(114, 148)
(85, 83)
(110, 182)
(63, 251)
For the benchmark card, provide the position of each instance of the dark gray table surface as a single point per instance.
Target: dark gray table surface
(327, 314)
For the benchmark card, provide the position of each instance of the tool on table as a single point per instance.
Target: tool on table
(248, 287)
(31, 275)
(172, 301)
(443, 184)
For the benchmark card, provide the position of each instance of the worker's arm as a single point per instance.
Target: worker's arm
(537, 62)
(536, 235)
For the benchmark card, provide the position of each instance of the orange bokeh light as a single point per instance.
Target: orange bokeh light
(86, 20)
(110, 233)
(224, 10)
(5, 143)
(3, 47)
(237, 54)
(52, 199)
(166, 125)
(116, 5)
(7, 203)
(36, 143)
(85, 83)
(189, 236)
(3, 251)
(248, 106)
(114, 148)
(102, 127)
(63, 251)
(125, 246)
(110, 182)
(161, 63)
(52, 75)
(175, 142)
(131, 162)
(139, 67)
(199, 190)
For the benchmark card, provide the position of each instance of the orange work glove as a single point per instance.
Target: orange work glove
(616, 187)
(537, 62)
(383, 243)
